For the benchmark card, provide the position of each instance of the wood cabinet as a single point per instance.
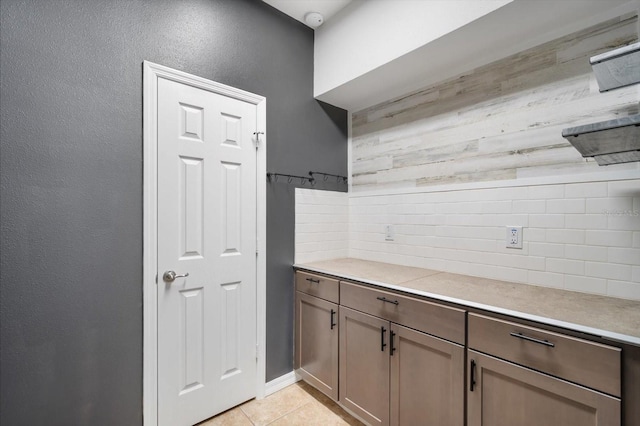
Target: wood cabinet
(394, 359)
(533, 377)
(364, 366)
(427, 379)
(394, 375)
(316, 333)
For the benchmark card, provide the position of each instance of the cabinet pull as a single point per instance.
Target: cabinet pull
(311, 280)
(532, 339)
(333, 314)
(472, 378)
(382, 343)
(392, 348)
(384, 299)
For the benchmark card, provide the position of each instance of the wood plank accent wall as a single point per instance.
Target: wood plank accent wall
(497, 122)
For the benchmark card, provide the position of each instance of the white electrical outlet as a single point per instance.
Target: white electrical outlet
(388, 233)
(514, 237)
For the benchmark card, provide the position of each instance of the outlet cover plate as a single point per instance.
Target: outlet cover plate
(514, 237)
(389, 233)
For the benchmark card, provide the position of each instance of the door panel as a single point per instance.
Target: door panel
(206, 228)
(506, 394)
(316, 357)
(191, 187)
(364, 365)
(192, 346)
(427, 380)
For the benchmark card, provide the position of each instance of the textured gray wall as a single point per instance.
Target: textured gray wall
(71, 184)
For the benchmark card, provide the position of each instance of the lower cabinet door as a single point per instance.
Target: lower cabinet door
(427, 379)
(364, 366)
(504, 394)
(316, 346)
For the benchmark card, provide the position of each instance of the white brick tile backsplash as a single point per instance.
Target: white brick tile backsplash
(434, 219)
(627, 256)
(546, 250)
(425, 208)
(546, 221)
(585, 284)
(497, 207)
(486, 233)
(606, 206)
(565, 206)
(624, 188)
(623, 289)
(535, 234)
(565, 266)
(544, 192)
(530, 206)
(497, 194)
(546, 279)
(584, 252)
(503, 273)
(608, 270)
(568, 236)
(586, 190)
(575, 236)
(535, 263)
(504, 220)
(586, 221)
(626, 222)
(609, 238)
(464, 219)
(322, 225)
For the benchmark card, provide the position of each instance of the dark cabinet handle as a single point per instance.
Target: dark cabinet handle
(311, 280)
(333, 314)
(382, 343)
(392, 348)
(472, 378)
(384, 299)
(532, 339)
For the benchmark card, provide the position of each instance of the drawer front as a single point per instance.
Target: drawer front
(435, 319)
(581, 361)
(318, 286)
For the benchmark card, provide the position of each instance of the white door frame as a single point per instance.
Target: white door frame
(152, 72)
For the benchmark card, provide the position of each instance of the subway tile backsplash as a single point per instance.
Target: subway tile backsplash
(322, 225)
(588, 242)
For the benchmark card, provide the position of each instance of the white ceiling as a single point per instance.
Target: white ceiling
(298, 8)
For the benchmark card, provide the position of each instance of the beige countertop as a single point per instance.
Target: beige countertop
(608, 317)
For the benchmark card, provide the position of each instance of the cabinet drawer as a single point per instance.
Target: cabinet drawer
(435, 319)
(581, 361)
(317, 285)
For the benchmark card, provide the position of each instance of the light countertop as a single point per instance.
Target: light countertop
(608, 317)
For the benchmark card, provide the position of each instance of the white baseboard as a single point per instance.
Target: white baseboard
(280, 383)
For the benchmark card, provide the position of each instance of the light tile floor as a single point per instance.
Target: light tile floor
(298, 404)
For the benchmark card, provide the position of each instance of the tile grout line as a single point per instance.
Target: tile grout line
(290, 412)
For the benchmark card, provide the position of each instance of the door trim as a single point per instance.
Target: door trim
(151, 73)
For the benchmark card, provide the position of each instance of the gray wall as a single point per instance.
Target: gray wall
(71, 184)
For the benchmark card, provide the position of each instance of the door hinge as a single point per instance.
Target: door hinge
(257, 134)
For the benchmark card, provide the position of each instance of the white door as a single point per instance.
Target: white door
(206, 229)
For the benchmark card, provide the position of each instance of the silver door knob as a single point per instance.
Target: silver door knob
(170, 276)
